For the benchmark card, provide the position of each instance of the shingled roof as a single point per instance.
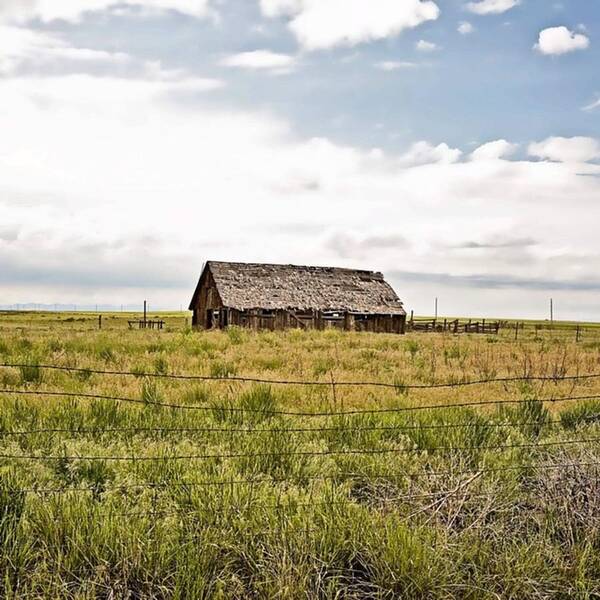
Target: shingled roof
(245, 286)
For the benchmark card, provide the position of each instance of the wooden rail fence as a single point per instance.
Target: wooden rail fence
(454, 326)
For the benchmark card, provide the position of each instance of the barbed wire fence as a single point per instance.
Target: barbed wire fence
(475, 470)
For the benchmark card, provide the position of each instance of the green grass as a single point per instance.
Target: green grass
(455, 502)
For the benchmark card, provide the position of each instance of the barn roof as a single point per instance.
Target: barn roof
(248, 285)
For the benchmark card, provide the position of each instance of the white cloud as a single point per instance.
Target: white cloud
(260, 60)
(560, 40)
(592, 105)
(464, 28)
(279, 8)
(394, 65)
(345, 245)
(20, 47)
(319, 24)
(492, 7)
(72, 10)
(167, 168)
(494, 150)
(568, 150)
(425, 46)
(424, 153)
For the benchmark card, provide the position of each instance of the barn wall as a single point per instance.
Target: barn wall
(274, 320)
(208, 299)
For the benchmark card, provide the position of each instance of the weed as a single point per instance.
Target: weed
(222, 369)
(586, 413)
(30, 371)
(236, 335)
(161, 366)
(412, 347)
(151, 392)
(107, 354)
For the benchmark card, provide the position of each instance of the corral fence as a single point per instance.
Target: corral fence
(517, 330)
(454, 326)
(507, 330)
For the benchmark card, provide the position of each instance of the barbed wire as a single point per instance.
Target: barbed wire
(338, 477)
(254, 430)
(268, 412)
(235, 378)
(298, 453)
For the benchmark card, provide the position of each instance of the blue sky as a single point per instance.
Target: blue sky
(451, 144)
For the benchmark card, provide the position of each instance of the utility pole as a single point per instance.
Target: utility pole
(436, 307)
(551, 312)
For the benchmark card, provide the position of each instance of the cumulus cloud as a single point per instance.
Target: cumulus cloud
(491, 7)
(425, 46)
(191, 182)
(261, 60)
(21, 11)
(560, 40)
(570, 150)
(319, 24)
(423, 153)
(494, 150)
(464, 28)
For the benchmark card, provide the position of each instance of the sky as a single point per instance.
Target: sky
(453, 145)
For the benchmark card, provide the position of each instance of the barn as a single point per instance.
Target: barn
(265, 296)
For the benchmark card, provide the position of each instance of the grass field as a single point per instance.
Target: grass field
(141, 485)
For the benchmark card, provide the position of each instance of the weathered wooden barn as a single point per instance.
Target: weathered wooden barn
(262, 296)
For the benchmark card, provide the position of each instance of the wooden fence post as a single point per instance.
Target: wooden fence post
(99, 321)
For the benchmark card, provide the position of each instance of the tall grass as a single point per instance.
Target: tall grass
(453, 502)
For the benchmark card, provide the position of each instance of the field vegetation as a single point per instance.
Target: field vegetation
(120, 481)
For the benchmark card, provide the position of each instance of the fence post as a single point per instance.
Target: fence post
(577, 331)
(333, 391)
(516, 330)
(99, 321)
